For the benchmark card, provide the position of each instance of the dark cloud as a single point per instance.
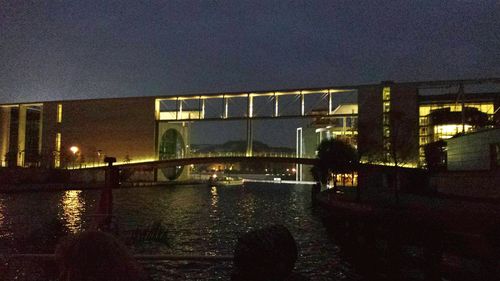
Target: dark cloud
(87, 49)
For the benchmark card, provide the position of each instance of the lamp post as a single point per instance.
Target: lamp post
(74, 150)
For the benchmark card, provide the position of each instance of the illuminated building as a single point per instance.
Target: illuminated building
(341, 124)
(387, 117)
(442, 117)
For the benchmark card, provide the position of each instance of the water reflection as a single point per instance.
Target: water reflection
(72, 206)
(200, 219)
(215, 198)
(248, 207)
(2, 217)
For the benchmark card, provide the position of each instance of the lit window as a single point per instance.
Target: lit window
(386, 93)
(387, 106)
(58, 142)
(59, 113)
(424, 110)
(57, 152)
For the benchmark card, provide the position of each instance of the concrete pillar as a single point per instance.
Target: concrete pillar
(330, 103)
(276, 105)
(249, 151)
(4, 134)
(302, 104)
(202, 115)
(21, 140)
(226, 107)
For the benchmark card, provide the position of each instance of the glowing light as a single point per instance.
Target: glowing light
(74, 149)
(450, 130)
(59, 113)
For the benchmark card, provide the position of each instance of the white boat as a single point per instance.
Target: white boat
(215, 180)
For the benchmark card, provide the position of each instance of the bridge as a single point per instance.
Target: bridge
(223, 159)
(173, 168)
(207, 158)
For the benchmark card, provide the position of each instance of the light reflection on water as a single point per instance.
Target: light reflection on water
(200, 219)
(213, 191)
(72, 209)
(2, 218)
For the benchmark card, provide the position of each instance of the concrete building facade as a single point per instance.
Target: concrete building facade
(390, 123)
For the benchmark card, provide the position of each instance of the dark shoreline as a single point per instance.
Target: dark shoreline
(422, 234)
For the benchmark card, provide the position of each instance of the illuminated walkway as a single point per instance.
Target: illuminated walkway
(205, 158)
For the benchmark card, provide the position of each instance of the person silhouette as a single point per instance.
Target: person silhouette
(96, 256)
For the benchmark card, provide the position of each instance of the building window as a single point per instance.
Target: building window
(386, 121)
(59, 113)
(386, 93)
(57, 152)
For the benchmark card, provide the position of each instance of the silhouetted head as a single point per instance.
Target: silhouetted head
(265, 254)
(96, 256)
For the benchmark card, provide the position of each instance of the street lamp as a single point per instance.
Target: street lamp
(74, 150)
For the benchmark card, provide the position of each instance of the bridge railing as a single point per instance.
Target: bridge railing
(197, 155)
(236, 154)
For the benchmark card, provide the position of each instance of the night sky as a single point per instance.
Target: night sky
(90, 49)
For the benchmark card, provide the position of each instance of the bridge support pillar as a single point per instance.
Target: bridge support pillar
(249, 151)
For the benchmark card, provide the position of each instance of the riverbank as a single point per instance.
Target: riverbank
(430, 236)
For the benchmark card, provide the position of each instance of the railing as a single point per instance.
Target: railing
(199, 155)
(239, 154)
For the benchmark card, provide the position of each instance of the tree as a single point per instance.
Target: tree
(401, 147)
(435, 156)
(334, 157)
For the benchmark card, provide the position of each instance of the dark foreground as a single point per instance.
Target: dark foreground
(198, 220)
(417, 237)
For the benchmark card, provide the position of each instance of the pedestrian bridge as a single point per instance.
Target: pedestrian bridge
(213, 157)
(225, 157)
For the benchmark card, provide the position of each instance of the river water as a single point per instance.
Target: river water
(198, 219)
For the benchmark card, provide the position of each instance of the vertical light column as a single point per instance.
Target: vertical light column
(202, 109)
(21, 133)
(386, 120)
(299, 152)
(226, 107)
(40, 130)
(276, 105)
(57, 152)
(250, 106)
(330, 105)
(157, 109)
(4, 134)
(302, 104)
(249, 151)
(180, 109)
(59, 113)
